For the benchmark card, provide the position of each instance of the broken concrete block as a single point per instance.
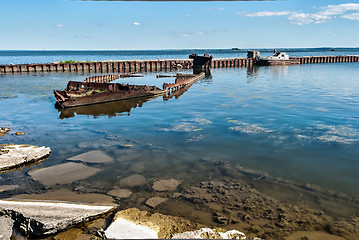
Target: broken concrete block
(14, 155)
(63, 173)
(92, 157)
(38, 218)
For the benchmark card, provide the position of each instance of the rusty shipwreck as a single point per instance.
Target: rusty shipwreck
(97, 90)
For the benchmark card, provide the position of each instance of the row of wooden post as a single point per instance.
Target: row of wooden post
(152, 65)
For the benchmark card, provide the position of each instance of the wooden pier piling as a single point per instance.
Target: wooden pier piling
(154, 65)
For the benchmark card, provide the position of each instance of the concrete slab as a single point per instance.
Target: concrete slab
(63, 173)
(14, 155)
(6, 224)
(92, 157)
(38, 218)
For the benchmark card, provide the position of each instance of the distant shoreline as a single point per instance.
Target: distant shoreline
(186, 49)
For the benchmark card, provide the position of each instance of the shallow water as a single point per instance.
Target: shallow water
(298, 123)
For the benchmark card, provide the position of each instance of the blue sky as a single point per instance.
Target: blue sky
(116, 25)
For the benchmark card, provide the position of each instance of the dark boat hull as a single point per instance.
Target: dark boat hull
(267, 62)
(87, 93)
(81, 94)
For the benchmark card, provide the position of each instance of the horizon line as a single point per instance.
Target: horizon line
(171, 49)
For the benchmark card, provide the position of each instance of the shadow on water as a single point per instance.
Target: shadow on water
(110, 109)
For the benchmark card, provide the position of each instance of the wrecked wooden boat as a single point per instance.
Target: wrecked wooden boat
(87, 93)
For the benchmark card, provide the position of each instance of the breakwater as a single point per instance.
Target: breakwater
(328, 59)
(152, 65)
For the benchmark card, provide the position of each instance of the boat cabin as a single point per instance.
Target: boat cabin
(279, 56)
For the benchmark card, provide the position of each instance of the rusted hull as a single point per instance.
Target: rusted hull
(202, 62)
(105, 97)
(82, 93)
(86, 93)
(182, 81)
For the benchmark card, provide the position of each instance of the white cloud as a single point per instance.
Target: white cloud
(306, 18)
(267, 14)
(339, 9)
(190, 34)
(324, 14)
(218, 9)
(351, 16)
(59, 25)
(136, 24)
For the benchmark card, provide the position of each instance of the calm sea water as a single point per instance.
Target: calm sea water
(19, 57)
(299, 123)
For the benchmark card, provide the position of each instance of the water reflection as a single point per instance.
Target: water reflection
(253, 72)
(110, 109)
(279, 71)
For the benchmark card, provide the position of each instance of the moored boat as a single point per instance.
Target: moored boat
(278, 58)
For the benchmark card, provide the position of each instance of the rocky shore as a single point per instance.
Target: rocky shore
(235, 204)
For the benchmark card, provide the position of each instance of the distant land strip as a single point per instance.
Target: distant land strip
(180, 0)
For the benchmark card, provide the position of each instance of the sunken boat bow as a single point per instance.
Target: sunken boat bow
(86, 93)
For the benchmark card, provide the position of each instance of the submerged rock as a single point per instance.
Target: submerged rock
(63, 173)
(40, 218)
(120, 193)
(133, 223)
(20, 133)
(14, 155)
(153, 202)
(4, 188)
(92, 157)
(4, 130)
(68, 196)
(207, 233)
(165, 185)
(315, 235)
(134, 180)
